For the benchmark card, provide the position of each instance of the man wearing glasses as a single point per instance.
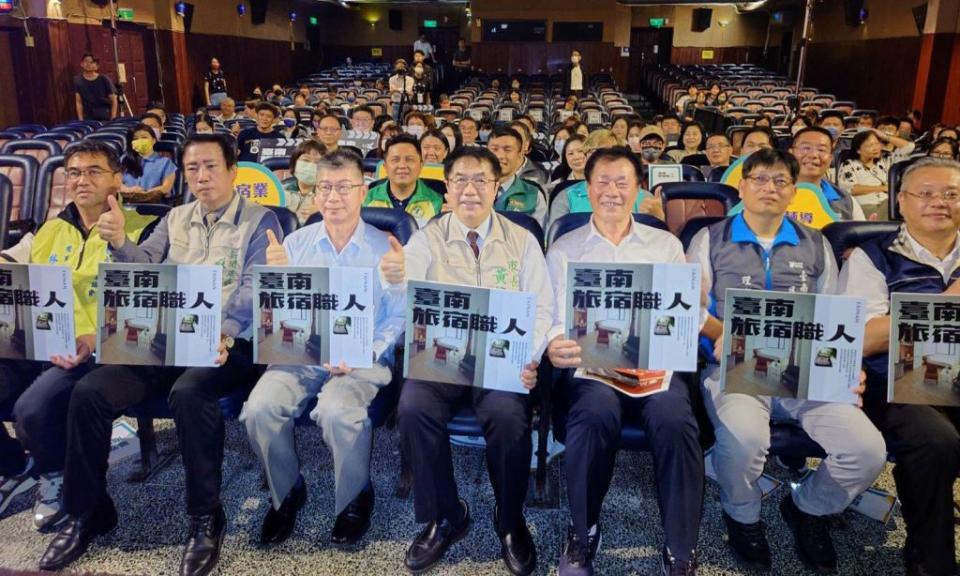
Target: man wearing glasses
(471, 245)
(219, 228)
(93, 174)
(343, 393)
(329, 131)
(813, 149)
(923, 256)
(761, 249)
(596, 411)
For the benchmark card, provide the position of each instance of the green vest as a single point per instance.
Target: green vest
(520, 197)
(423, 205)
(579, 201)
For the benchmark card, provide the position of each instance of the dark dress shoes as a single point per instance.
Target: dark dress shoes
(278, 524)
(203, 546)
(354, 521)
(516, 547)
(76, 534)
(429, 547)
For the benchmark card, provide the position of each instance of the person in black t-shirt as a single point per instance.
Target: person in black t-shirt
(95, 95)
(248, 141)
(214, 84)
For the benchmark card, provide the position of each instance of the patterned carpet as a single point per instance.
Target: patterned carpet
(153, 524)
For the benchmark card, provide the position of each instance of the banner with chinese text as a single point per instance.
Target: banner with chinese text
(468, 335)
(159, 314)
(792, 345)
(924, 356)
(36, 312)
(313, 316)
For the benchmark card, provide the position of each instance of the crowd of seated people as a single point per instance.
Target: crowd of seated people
(529, 149)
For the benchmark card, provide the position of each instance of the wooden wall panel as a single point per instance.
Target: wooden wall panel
(724, 54)
(878, 74)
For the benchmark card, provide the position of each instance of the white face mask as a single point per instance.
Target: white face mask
(306, 172)
(484, 134)
(415, 130)
(558, 145)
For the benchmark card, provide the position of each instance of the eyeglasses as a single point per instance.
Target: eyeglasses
(763, 180)
(329, 129)
(819, 150)
(92, 173)
(460, 183)
(715, 147)
(926, 196)
(341, 188)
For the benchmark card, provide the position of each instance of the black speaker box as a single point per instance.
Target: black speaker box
(396, 20)
(258, 11)
(701, 19)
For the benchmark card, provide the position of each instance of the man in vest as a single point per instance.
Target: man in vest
(761, 249)
(515, 193)
(403, 189)
(529, 169)
(471, 245)
(595, 410)
(813, 149)
(220, 228)
(343, 394)
(922, 256)
(93, 173)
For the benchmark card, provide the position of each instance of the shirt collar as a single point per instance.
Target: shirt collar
(921, 252)
(228, 213)
(457, 230)
(506, 184)
(829, 192)
(741, 232)
(635, 234)
(356, 239)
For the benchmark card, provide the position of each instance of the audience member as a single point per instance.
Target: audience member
(94, 94)
(300, 188)
(865, 174)
(248, 141)
(214, 84)
(147, 175)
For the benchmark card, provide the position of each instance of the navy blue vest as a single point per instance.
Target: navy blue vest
(902, 275)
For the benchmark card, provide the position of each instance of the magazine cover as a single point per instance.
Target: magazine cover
(924, 356)
(36, 312)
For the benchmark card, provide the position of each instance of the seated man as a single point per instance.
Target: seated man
(923, 257)
(248, 141)
(468, 246)
(219, 228)
(652, 144)
(515, 193)
(403, 189)
(813, 148)
(329, 132)
(228, 111)
(718, 151)
(596, 410)
(343, 394)
(760, 249)
(93, 174)
(756, 138)
(361, 119)
(529, 169)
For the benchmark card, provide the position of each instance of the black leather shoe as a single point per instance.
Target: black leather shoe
(516, 547)
(75, 536)
(203, 546)
(749, 543)
(812, 537)
(278, 524)
(432, 543)
(354, 521)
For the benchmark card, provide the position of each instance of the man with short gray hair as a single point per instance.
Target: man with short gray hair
(923, 256)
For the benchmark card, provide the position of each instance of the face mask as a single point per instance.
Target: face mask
(142, 146)
(306, 172)
(484, 134)
(351, 98)
(415, 130)
(289, 122)
(650, 154)
(558, 145)
(833, 132)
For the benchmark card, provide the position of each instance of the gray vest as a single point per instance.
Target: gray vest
(742, 264)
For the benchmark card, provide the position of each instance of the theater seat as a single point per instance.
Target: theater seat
(693, 226)
(683, 201)
(51, 188)
(279, 166)
(6, 196)
(288, 219)
(894, 181)
(525, 221)
(39, 149)
(845, 236)
(397, 222)
(22, 172)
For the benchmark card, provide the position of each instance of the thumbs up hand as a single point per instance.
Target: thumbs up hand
(112, 224)
(276, 253)
(393, 263)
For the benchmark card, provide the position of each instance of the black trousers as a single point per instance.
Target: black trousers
(425, 409)
(194, 393)
(925, 441)
(596, 414)
(15, 377)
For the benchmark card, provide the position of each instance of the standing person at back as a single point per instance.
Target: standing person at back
(95, 95)
(575, 78)
(421, 44)
(214, 84)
